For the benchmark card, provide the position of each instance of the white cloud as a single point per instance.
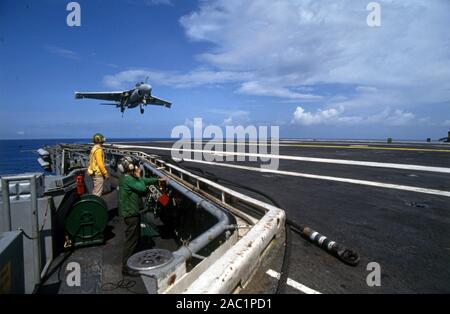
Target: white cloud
(257, 89)
(321, 116)
(335, 116)
(150, 2)
(189, 122)
(322, 52)
(396, 117)
(232, 117)
(287, 44)
(326, 41)
(63, 52)
(236, 113)
(20, 132)
(228, 121)
(159, 2)
(193, 78)
(200, 77)
(366, 89)
(447, 123)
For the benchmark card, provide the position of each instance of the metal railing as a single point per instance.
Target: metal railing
(236, 266)
(225, 196)
(7, 222)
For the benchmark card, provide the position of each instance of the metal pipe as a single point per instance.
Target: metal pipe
(18, 178)
(74, 171)
(205, 238)
(63, 161)
(201, 241)
(198, 256)
(6, 225)
(35, 230)
(193, 247)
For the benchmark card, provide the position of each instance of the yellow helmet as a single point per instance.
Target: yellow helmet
(98, 138)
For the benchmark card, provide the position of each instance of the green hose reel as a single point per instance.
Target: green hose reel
(87, 220)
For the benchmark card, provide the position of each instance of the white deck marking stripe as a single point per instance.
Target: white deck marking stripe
(345, 180)
(308, 159)
(347, 146)
(292, 283)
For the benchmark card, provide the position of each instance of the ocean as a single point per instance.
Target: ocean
(20, 156)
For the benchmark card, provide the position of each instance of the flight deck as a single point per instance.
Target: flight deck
(389, 202)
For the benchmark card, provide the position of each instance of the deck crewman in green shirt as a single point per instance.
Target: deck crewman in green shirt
(132, 187)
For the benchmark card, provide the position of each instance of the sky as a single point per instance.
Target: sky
(314, 68)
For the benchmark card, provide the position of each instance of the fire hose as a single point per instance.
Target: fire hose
(346, 255)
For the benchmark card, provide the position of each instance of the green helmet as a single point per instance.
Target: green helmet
(98, 138)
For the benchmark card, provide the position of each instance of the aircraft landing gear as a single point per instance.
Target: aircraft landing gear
(142, 110)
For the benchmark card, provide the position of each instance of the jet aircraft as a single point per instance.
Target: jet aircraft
(140, 95)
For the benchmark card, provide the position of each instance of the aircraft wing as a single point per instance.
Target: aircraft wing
(111, 96)
(158, 102)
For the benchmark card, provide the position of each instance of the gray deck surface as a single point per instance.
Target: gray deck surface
(407, 233)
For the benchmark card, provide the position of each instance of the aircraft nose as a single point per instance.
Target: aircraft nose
(146, 88)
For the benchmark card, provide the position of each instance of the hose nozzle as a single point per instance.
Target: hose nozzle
(348, 256)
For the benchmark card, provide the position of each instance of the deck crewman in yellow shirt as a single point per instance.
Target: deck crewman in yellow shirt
(97, 169)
